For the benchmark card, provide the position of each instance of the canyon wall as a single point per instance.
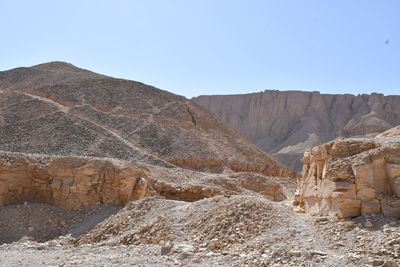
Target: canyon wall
(73, 182)
(70, 182)
(287, 123)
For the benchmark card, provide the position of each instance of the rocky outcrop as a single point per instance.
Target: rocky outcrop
(73, 182)
(70, 182)
(353, 177)
(61, 110)
(287, 123)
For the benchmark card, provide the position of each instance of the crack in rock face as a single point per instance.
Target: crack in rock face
(353, 177)
(69, 182)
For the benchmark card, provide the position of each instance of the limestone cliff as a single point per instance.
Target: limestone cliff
(286, 123)
(73, 182)
(353, 177)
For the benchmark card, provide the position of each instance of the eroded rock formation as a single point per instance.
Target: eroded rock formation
(353, 177)
(73, 182)
(287, 123)
(70, 181)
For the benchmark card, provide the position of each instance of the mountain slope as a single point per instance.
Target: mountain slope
(287, 123)
(59, 109)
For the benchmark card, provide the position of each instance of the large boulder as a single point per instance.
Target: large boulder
(353, 177)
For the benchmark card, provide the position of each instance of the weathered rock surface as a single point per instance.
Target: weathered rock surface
(70, 181)
(353, 177)
(59, 109)
(73, 182)
(287, 123)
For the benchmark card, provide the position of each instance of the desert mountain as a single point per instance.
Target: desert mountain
(58, 109)
(102, 171)
(286, 123)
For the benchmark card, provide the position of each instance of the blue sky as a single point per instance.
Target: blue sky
(193, 47)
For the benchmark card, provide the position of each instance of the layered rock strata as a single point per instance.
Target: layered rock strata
(353, 177)
(73, 182)
(287, 123)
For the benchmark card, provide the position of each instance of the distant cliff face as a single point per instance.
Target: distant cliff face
(286, 123)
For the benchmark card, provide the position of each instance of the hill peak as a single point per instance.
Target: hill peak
(57, 66)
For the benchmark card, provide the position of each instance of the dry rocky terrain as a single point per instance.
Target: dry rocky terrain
(97, 171)
(59, 109)
(353, 177)
(287, 123)
(220, 231)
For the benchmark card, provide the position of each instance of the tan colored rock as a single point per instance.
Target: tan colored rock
(395, 131)
(352, 177)
(70, 181)
(287, 123)
(73, 182)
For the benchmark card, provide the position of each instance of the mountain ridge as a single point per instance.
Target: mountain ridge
(57, 108)
(286, 123)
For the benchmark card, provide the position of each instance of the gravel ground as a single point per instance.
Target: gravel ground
(220, 231)
(42, 222)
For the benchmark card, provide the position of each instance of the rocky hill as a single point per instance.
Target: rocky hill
(286, 123)
(100, 171)
(58, 109)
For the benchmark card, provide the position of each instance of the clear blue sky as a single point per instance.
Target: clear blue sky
(193, 47)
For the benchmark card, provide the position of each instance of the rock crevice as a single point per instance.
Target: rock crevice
(74, 182)
(352, 177)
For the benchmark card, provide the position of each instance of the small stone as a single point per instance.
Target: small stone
(349, 224)
(166, 249)
(294, 253)
(184, 248)
(377, 262)
(390, 264)
(321, 219)
(319, 253)
(369, 224)
(52, 243)
(185, 255)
